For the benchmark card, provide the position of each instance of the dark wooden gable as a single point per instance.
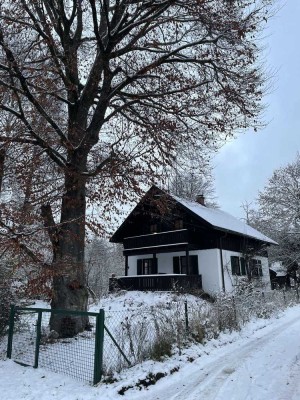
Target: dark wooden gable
(159, 212)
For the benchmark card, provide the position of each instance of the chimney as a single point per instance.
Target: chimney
(200, 199)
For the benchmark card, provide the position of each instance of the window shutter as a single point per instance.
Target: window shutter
(254, 268)
(260, 268)
(243, 266)
(176, 269)
(194, 265)
(154, 266)
(139, 270)
(183, 265)
(235, 265)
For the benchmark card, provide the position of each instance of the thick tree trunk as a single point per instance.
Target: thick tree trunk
(69, 283)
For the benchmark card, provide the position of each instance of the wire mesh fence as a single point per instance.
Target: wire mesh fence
(32, 343)
(144, 334)
(133, 335)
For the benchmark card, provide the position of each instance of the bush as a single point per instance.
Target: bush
(162, 347)
(197, 331)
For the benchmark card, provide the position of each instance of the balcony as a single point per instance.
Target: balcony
(161, 239)
(160, 282)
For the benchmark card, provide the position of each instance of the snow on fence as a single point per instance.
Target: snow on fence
(119, 339)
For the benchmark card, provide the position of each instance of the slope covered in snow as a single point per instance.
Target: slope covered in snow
(261, 362)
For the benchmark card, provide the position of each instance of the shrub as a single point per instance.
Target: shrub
(197, 331)
(162, 347)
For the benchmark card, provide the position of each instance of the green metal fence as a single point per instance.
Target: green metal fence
(126, 338)
(31, 343)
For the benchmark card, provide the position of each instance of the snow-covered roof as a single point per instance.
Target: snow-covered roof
(222, 220)
(278, 267)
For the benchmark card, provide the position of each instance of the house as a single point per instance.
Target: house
(169, 241)
(279, 277)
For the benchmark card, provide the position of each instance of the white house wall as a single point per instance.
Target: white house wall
(208, 265)
(164, 262)
(210, 269)
(230, 280)
(132, 263)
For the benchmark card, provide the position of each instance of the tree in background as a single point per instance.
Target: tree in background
(278, 215)
(191, 175)
(102, 260)
(102, 94)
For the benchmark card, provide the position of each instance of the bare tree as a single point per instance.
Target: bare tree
(191, 175)
(102, 260)
(278, 214)
(107, 91)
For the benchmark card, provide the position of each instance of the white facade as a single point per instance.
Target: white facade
(209, 262)
(209, 267)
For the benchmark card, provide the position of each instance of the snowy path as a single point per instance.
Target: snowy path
(261, 363)
(266, 366)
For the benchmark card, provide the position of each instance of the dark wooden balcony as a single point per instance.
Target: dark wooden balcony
(177, 237)
(160, 282)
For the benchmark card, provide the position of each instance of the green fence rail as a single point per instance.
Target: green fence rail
(31, 343)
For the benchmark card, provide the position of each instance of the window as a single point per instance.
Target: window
(238, 265)
(235, 265)
(147, 266)
(256, 268)
(243, 266)
(180, 267)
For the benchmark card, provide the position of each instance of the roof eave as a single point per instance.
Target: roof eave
(269, 242)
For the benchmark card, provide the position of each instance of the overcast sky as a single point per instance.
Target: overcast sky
(244, 165)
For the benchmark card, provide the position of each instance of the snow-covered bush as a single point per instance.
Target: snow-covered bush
(153, 332)
(162, 345)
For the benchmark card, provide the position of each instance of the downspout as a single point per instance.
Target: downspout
(222, 264)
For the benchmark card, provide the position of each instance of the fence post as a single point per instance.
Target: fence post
(11, 330)
(220, 324)
(186, 314)
(99, 341)
(37, 340)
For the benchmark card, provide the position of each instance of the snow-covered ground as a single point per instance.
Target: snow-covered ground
(261, 362)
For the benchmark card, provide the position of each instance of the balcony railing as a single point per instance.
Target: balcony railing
(157, 239)
(164, 282)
